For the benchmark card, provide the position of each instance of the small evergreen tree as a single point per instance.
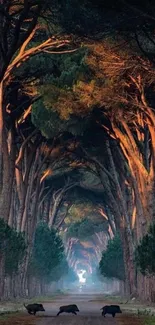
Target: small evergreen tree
(145, 253)
(48, 252)
(112, 263)
(12, 247)
(15, 252)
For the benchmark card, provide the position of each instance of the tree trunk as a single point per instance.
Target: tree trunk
(1, 135)
(46, 210)
(54, 209)
(7, 174)
(2, 275)
(7, 162)
(126, 233)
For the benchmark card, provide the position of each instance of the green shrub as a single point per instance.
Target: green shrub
(112, 262)
(12, 246)
(145, 253)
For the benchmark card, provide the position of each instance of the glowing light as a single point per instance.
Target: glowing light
(80, 275)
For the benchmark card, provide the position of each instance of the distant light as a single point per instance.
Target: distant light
(80, 274)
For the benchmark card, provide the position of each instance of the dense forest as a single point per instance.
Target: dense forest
(77, 142)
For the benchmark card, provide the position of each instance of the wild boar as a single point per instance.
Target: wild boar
(33, 308)
(68, 309)
(112, 310)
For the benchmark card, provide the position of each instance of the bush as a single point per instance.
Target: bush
(48, 252)
(145, 253)
(12, 246)
(112, 262)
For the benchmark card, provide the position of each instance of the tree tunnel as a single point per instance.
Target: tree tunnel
(77, 143)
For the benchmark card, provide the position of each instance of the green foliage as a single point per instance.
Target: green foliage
(47, 121)
(12, 245)
(48, 252)
(61, 70)
(85, 228)
(76, 87)
(112, 263)
(149, 320)
(51, 114)
(79, 210)
(68, 69)
(85, 205)
(15, 252)
(145, 252)
(5, 232)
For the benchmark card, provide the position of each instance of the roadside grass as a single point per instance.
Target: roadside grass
(15, 318)
(134, 306)
(16, 305)
(42, 299)
(6, 315)
(107, 299)
(149, 321)
(12, 319)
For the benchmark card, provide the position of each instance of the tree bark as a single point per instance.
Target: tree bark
(2, 275)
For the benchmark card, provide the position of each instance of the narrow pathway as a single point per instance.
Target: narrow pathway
(90, 313)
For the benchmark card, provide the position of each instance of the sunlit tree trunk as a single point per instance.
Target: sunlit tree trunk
(125, 227)
(142, 168)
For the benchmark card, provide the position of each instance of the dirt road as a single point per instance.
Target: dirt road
(90, 314)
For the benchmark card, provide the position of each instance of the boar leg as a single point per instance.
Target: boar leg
(59, 313)
(30, 312)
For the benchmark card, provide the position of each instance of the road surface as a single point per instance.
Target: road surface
(90, 313)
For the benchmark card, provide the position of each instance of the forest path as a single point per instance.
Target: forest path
(90, 313)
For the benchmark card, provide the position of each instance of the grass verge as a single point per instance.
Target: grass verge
(150, 320)
(16, 305)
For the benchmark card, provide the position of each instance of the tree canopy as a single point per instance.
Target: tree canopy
(76, 119)
(85, 228)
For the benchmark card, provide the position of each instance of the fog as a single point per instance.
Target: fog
(91, 283)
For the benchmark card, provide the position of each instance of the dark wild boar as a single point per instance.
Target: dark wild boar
(33, 308)
(68, 309)
(112, 310)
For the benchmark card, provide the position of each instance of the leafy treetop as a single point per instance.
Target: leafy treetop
(85, 228)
